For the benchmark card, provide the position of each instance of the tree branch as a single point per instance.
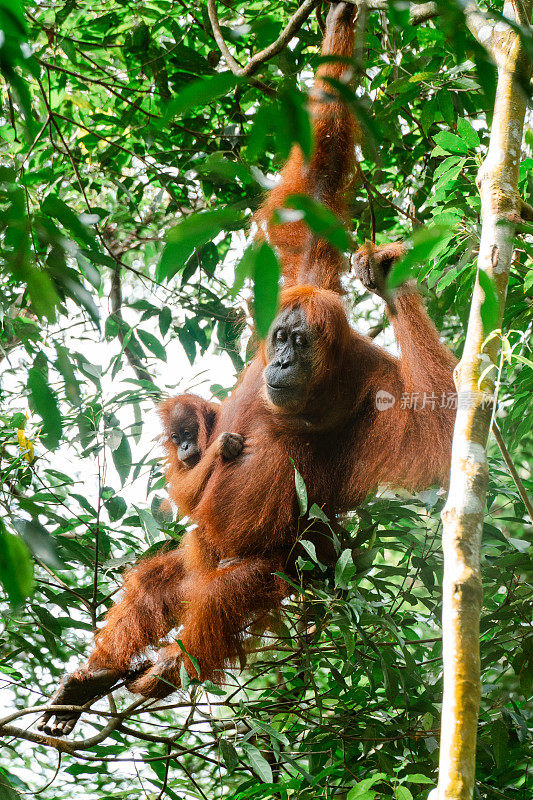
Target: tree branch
(115, 296)
(512, 469)
(292, 27)
(463, 513)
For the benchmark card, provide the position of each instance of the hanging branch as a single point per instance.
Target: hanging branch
(463, 514)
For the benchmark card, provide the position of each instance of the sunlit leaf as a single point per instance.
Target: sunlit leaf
(301, 491)
(193, 232)
(450, 142)
(122, 459)
(467, 133)
(266, 274)
(44, 401)
(259, 763)
(16, 567)
(345, 569)
(152, 343)
(425, 242)
(201, 93)
(490, 306)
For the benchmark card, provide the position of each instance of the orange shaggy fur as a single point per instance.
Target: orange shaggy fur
(223, 574)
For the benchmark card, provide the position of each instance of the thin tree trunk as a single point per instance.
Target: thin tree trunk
(463, 513)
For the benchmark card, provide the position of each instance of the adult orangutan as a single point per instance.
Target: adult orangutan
(312, 396)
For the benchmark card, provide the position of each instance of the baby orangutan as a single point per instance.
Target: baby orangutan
(188, 423)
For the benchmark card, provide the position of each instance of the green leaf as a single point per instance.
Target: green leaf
(245, 268)
(445, 101)
(446, 164)
(193, 659)
(293, 107)
(260, 765)
(266, 274)
(122, 459)
(217, 166)
(345, 569)
(64, 365)
(116, 507)
(427, 117)
(150, 526)
(191, 233)
(44, 297)
(310, 549)
(229, 754)
(41, 543)
(267, 117)
(450, 142)
(315, 512)
(55, 207)
(301, 491)
(188, 343)
(44, 401)
(500, 742)
(165, 320)
(185, 680)
(16, 567)
(152, 343)
(418, 778)
(403, 793)
(425, 242)
(7, 791)
(320, 219)
(490, 306)
(361, 794)
(201, 93)
(274, 734)
(467, 133)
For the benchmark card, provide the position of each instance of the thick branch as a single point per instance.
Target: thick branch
(463, 513)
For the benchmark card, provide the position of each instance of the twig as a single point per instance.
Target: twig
(512, 469)
(165, 777)
(35, 141)
(60, 744)
(377, 193)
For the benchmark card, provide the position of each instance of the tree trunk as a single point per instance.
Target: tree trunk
(463, 513)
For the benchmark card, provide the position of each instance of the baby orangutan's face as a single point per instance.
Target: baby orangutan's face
(184, 433)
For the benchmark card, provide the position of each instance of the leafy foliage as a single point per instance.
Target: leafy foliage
(130, 163)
